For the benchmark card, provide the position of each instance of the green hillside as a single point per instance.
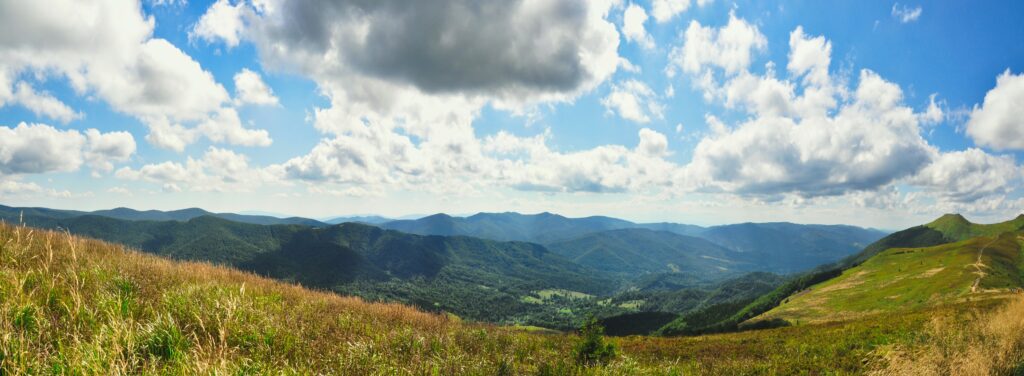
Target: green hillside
(907, 278)
(947, 229)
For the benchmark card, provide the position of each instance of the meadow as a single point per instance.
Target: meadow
(70, 305)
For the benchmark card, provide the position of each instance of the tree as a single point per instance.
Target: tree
(592, 349)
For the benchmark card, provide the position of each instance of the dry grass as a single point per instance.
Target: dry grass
(991, 344)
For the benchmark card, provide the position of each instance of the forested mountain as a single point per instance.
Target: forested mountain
(636, 251)
(538, 228)
(788, 247)
(780, 247)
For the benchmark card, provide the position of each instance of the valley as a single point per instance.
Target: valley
(67, 297)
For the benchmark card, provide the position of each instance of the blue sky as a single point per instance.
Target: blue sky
(661, 110)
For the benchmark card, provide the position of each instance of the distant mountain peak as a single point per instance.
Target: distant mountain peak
(950, 218)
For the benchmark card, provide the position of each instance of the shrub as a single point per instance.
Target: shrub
(592, 349)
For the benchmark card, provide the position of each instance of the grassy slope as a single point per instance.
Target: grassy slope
(72, 305)
(946, 229)
(901, 278)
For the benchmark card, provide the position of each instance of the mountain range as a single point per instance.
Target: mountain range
(542, 269)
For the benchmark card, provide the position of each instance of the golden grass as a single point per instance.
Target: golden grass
(992, 344)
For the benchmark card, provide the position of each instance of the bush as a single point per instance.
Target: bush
(592, 350)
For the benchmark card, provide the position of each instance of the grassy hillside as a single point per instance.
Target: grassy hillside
(728, 317)
(76, 306)
(901, 278)
(474, 278)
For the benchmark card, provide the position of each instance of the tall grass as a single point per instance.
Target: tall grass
(991, 344)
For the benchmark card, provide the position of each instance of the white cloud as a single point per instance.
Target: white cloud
(652, 143)
(664, 10)
(905, 13)
(105, 148)
(118, 62)
(634, 101)
(810, 56)
(10, 188)
(219, 170)
(43, 104)
(730, 47)
(934, 113)
(172, 136)
(40, 148)
(250, 89)
(969, 175)
(999, 121)
(633, 20)
(222, 21)
(225, 126)
(764, 95)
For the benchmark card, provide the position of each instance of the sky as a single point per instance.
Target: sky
(877, 113)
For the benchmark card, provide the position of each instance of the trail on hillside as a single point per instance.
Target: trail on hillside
(978, 265)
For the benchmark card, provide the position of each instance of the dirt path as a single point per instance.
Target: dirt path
(978, 265)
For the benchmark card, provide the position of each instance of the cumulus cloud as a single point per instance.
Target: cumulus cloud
(250, 89)
(457, 46)
(222, 21)
(40, 148)
(109, 53)
(106, 148)
(633, 19)
(969, 175)
(634, 101)
(10, 188)
(218, 170)
(405, 81)
(225, 126)
(43, 104)
(998, 123)
(730, 47)
(666, 10)
(906, 13)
